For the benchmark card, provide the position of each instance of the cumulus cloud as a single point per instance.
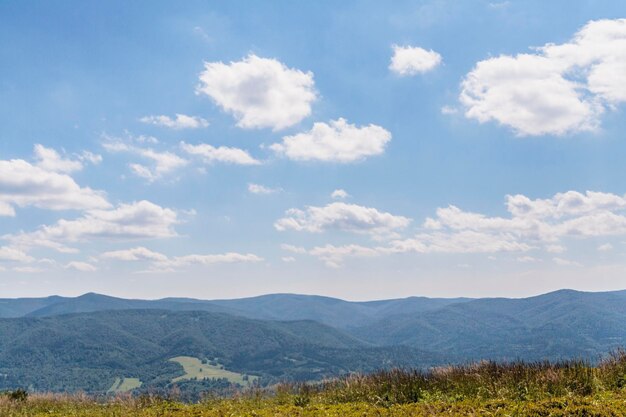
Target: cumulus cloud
(138, 220)
(27, 269)
(293, 249)
(556, 248)
(162, 263)
(527, 259)
(163, 162)
(230, 257)
(338, 141)
(532, 224)
(211, 154)
(261, 189)
(412, 60)
(465, 241)
(339, 194)
(50, 160)
(556, 90)
(539, 222)
(23, 184)
(90, 157)
(11, 254)
(333, 256)
(259, 92)
(566, 262)
(607, 247)
(80, 266)
(139, 253)
(570, 214)
(181, 121)
(342, 217)
(449, 110)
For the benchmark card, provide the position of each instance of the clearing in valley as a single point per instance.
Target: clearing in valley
(124, 385)
(195, 369)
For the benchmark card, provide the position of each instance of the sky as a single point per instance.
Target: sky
(355, 149)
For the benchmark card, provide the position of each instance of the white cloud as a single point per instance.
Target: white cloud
(333, 256)
(343, 217)
(11, 254)
(338, 141)
(293, 249)
(449, 110)
(556, 248)
(565, 262)
(230, 257)
(559, 89)
(139, 220)
(162, 263)
(259, 92)
(499, 5)
(288, 259)
(533, 224)
(81, 266)
(210, 154)
(163, 163)
(181, 121)
(23, 184)
(90, 157)
(527, 259)
(27, 269)
(571, 214)
(50, 160)
(261, 189)
(607, 247)
(139, 253)
(411, 60)
(464, 241)
(339, 194)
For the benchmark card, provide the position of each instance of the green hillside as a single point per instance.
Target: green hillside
(562, 324)
(88, 351)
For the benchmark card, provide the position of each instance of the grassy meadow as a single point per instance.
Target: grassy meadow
(195, 369)
(124, 385)
(572, 388)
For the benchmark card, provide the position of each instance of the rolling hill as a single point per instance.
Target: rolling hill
(561, 324)
(89, 342)
(89, 351)
(330, 311)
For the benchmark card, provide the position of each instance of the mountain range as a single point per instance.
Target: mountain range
(88, 342)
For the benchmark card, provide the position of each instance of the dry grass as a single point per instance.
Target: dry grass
(572, 388)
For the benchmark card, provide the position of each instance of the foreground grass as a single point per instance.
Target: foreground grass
(599, 406)
(571, 388)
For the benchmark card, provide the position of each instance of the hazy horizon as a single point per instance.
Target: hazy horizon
(317, 295)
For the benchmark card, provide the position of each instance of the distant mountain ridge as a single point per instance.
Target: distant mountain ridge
(296, 336)
(331, 311)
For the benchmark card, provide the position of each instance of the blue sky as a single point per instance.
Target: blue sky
(356, 149)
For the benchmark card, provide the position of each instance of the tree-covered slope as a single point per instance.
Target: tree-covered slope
(89, 350)
(331, 311)
(562, 324)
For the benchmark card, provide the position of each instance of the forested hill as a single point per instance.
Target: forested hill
(331, 311)
(51, 343)
(89, 351)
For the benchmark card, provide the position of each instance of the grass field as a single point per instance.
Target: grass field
(49, 406)
(124, 385)
(538, 389)
(195, 369)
